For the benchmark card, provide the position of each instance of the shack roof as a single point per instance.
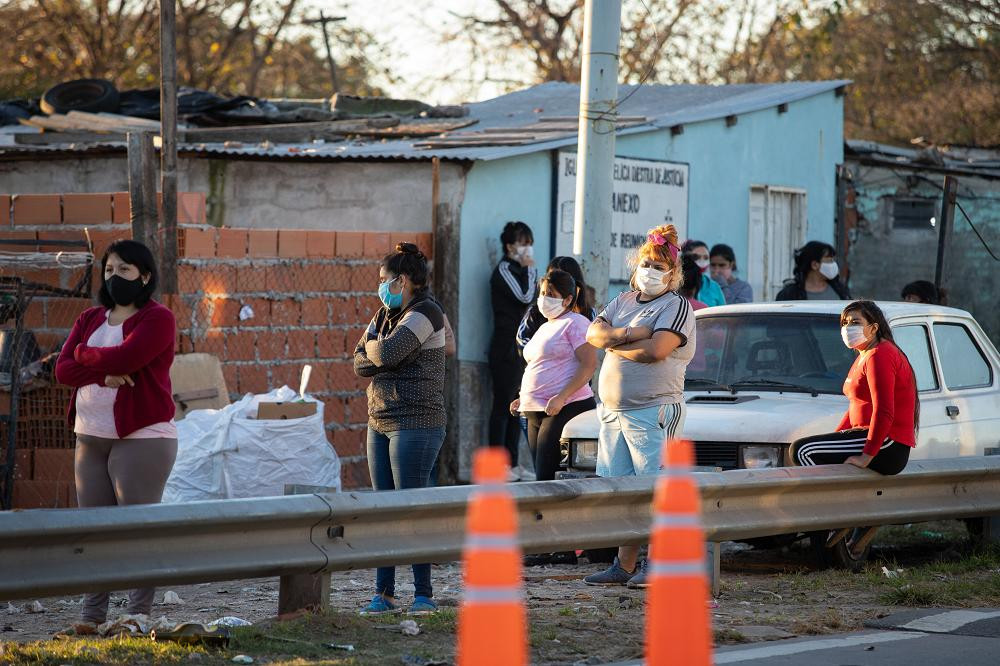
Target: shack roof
(504, 126)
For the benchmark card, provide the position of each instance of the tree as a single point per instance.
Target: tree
(921, 69)
(661, 41)
(228, 46)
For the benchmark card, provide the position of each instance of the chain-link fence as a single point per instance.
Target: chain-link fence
(45, 283)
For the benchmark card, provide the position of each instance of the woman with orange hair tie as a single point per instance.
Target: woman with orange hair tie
(648, 334)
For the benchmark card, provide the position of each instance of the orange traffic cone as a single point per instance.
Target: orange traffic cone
(492, 622)
(678, 627)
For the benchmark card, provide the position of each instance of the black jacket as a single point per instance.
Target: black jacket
(513, 288)
(796, 291)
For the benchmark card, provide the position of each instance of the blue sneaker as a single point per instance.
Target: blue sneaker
(422, 606)
(614, 575)
(379, 605)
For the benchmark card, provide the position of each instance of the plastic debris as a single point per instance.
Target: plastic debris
(891, 574)
(409, 628)
(246, 312)
(171, 597)
(134, 625)
(35, 607)
(242, 659)
(231, 621)
(335, 646)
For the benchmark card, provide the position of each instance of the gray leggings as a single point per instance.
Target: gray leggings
(116, 472)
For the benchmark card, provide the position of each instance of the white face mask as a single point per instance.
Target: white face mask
(650, 281)
(829, 270)
(551, 307)
(702, 264)
(853, 335)
(524, 252)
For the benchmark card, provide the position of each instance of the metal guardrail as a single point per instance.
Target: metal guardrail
(47, 552)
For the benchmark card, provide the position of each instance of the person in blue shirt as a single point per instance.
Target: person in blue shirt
(710, 292)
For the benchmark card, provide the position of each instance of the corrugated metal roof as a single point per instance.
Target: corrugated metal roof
(981, 162)
(663, 106)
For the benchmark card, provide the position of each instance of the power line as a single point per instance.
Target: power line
(978, 235)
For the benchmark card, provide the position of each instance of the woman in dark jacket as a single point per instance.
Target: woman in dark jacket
(403, 352)
(817, 276)
(513, 288)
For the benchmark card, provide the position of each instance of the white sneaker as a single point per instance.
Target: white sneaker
(525, 474)
(512, 476)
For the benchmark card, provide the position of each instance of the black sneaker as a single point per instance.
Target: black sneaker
(614, 575)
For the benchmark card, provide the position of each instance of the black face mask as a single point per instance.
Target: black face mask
(124, 292)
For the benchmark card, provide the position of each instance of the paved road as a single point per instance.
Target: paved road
(911, 638)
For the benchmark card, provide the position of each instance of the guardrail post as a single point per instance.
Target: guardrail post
(714, 560)
(300, 591)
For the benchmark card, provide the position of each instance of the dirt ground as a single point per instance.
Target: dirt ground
(765, 595)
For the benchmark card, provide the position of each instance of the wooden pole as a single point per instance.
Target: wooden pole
(168, 147)
(142, 188)
(944, 227)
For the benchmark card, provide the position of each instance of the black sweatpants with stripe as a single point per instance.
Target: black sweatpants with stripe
(835, 447)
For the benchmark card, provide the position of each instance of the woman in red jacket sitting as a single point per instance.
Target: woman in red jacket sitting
(879, 428)
(117, 358)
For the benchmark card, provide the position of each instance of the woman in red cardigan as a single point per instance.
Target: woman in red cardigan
(880, 426)
(117, 359)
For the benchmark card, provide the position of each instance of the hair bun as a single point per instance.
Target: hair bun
(409, 248)
(668, 231)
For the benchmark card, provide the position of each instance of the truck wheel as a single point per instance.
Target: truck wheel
(839, 556)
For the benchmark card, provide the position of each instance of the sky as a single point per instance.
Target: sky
(410, 30)
(445, 73)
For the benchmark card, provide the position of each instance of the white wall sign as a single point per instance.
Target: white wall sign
(647, 193)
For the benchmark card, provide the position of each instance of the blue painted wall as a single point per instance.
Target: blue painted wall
(515, 188)
(799, 148)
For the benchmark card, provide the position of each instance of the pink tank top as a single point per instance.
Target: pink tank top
(95, 405)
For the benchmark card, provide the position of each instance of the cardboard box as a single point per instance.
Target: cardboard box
(285, 410)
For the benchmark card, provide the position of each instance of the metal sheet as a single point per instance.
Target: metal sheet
(662, 105)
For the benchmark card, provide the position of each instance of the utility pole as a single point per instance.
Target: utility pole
(168, 145)
(944, 227)
(323, 20)
(596, 143)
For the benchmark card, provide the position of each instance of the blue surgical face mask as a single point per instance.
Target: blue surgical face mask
(389, 299)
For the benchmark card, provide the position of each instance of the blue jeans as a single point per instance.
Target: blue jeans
(396, 461)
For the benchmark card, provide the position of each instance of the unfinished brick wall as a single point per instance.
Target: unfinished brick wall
(265, 301)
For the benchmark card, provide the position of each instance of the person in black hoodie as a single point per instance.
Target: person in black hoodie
(816, 276)
(513, 288)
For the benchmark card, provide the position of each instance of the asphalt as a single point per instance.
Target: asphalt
(966, 637)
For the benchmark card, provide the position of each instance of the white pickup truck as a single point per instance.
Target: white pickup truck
(767, 374)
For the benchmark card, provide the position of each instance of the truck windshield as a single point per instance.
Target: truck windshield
(758, 352)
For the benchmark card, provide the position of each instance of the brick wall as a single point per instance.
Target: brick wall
(265, 301)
